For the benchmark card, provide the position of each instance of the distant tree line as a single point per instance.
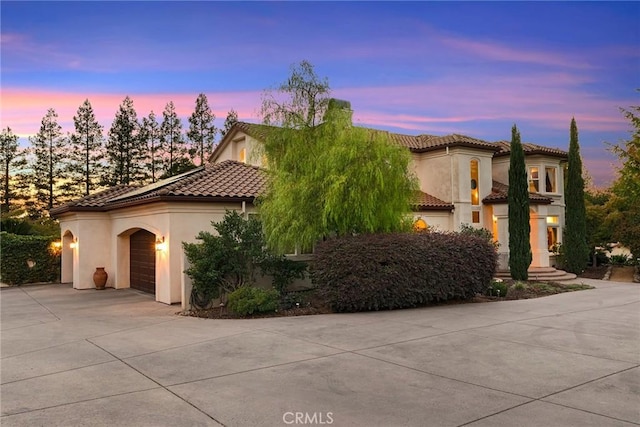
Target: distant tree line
(56, 168)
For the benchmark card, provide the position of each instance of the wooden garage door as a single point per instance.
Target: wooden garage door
(142, 259)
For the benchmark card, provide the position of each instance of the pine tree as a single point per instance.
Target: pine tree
(232, 118)
(173, 141)
(202, 132)
(124, 148)
(575, 234)
(520, 256)
(10, 160)
(49, 164)
(87, 151)
(151, 135)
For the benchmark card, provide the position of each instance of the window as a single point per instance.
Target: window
(475, 191)
(475, 217)
(550, 179)
(534, 180)
(553, 223)
(242, 157)
(420, 225)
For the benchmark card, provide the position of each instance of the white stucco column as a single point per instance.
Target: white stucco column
(538, 239)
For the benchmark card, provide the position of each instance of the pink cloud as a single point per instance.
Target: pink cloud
(502, 52)
(23, 109)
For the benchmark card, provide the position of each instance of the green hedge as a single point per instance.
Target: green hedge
(387, 271)
(17, 252)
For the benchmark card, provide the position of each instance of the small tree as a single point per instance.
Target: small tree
(625, 202)
(575, 235)
(520, 256)
(222, 263)
(202, 132)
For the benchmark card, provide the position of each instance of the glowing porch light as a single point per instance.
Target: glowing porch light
(161, 245)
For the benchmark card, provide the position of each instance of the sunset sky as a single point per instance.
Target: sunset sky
(445, 67)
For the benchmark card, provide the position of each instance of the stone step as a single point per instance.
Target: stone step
(541, 273)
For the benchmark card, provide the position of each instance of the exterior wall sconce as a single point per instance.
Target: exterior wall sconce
(161, 245)
(74, 243)
(57, 245)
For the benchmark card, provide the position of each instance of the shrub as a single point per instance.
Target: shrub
(248, 300)
(621, 259)
(387, 271)
(283, 271)
(222, 263)
(499, 288)
(28, 259)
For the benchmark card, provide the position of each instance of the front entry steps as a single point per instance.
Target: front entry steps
(545, 274)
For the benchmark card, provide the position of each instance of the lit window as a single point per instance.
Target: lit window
(550, 180)
(242, 157)
(420, 225)
(553, 223)
(475, 191)
(475, 217)
(534, 180)
(552, 238)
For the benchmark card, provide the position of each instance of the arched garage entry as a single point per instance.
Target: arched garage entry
(142, 261)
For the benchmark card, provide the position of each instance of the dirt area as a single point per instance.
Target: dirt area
(595, 272)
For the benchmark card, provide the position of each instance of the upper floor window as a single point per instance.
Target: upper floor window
(534, 179)
(242, 157)
(550, 179)
(475, 186)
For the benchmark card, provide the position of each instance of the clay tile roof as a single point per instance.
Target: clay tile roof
(228, 180)
(225, 180)
(95, 201)
(530, 149)
(426, 201)
(500, 191)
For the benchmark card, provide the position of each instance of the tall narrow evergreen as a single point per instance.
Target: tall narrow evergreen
(151, 136)
(575, 234)
(49, 162)
(87, 150)
(173, 141)
(124, 148)
(202, 132)
(10, 159)
(519, 228)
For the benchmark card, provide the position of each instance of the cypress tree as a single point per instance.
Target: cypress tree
(575, 236)
(519, 228)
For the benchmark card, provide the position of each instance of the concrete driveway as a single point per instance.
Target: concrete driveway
(118, 358)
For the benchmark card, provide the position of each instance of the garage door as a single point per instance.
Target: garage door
(143, 261)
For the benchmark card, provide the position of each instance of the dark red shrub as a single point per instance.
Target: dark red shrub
(387, 271)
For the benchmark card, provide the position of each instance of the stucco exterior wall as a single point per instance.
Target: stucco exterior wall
(231, 150)
(436, 220)
(433, 170)
(103, 241)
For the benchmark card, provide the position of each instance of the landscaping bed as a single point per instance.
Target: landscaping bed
(311, 304)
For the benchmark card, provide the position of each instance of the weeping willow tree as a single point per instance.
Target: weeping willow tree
(326, 176)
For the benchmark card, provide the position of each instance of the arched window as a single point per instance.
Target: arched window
(475, 184)
(420, 225)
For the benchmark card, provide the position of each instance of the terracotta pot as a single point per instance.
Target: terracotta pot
(100, 277)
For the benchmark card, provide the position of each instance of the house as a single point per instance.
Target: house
(137, 233)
